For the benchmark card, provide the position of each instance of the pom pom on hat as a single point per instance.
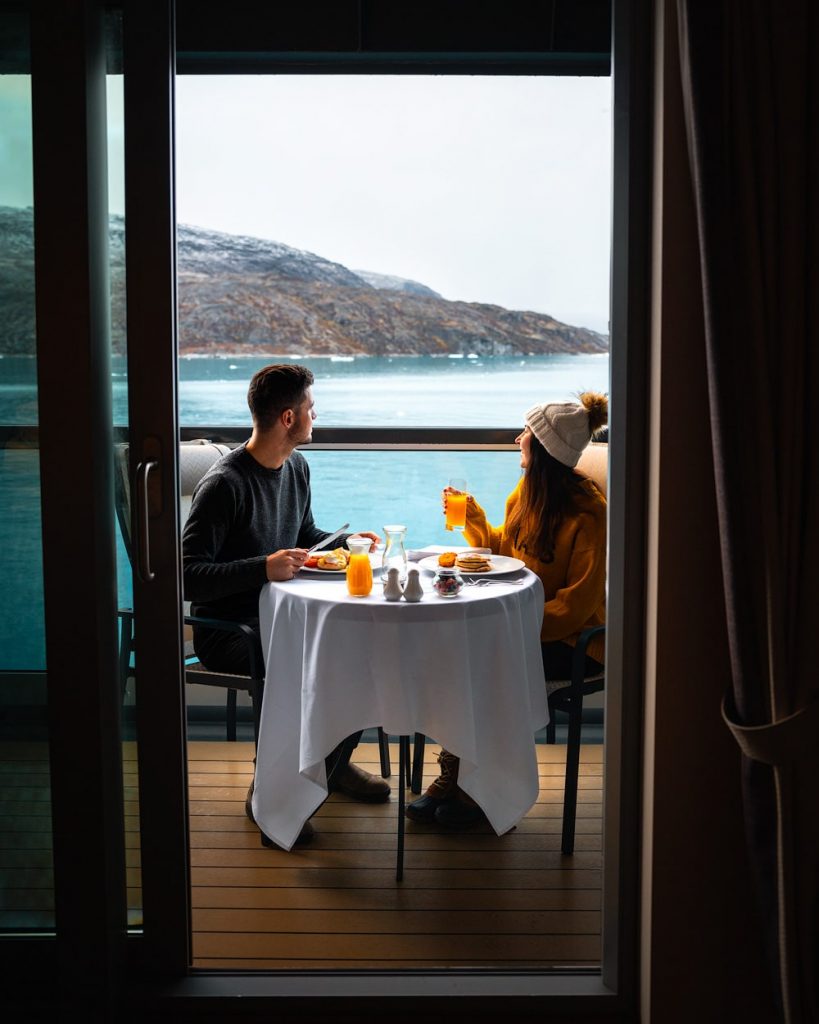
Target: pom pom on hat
(597, 406)
(565, 428)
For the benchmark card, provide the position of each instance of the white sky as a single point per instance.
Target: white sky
(487, 189)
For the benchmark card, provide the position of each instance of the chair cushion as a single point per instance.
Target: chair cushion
(195, 459)
(594, 463)
(591, 684)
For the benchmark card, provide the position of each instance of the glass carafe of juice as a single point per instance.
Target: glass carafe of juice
(359, 568)
(394, 554)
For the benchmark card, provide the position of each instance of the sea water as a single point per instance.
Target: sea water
(366, 488)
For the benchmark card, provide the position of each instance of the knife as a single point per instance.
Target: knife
(327, 540)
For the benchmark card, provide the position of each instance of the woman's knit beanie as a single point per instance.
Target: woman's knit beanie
(565, 428)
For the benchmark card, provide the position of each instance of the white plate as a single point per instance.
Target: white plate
(501, 565)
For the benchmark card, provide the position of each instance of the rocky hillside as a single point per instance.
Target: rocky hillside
(251, 296)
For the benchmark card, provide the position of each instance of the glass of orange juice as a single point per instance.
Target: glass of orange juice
(359, 568)
(456, 504)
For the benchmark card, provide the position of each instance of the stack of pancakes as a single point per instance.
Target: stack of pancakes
(473, 561)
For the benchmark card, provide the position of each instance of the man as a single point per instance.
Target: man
(250, 522)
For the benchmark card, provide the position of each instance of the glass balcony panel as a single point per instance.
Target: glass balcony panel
(26, 864)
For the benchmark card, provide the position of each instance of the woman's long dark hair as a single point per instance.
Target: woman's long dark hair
(549, 492)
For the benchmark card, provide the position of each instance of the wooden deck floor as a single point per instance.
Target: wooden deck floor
(469, 899)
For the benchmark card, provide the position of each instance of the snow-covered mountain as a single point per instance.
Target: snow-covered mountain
(249, 295)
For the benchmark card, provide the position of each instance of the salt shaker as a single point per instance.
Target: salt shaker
(413, 590)
(392, 585)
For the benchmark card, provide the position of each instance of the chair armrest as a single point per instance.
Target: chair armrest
(126, 627)
(226, 626)
(126, 644)
(579, 657)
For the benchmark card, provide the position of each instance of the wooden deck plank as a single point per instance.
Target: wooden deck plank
(498, 948)
(350, 809)
(248, 839)
(414, 877)
(223, 751)
(433, 966)
(395, 898)
(318, 855)
(12, 860)
(451, 922)
(237, 822)
(590, 777)
(26, 920)
(20, 840)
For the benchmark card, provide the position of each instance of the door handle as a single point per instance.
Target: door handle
(143, 530)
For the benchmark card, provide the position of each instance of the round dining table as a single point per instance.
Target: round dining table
(465, 671)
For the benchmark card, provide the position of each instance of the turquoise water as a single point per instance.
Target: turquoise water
(366, 488)
(395, 391)
(398, 391)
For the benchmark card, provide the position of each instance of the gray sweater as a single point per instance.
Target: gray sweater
(240, 513)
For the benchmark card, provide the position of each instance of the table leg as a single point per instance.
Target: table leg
(384, 753)
(418, 762)
(403, 748)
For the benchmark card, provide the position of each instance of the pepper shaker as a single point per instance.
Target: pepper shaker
(392, 585)
(413, 591)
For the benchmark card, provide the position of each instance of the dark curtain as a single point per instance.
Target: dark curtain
(750, 76)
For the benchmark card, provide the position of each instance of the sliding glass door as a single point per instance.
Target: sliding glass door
(73, 265)
(26, 865)
(152, 480)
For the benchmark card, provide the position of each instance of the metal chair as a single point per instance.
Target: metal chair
(563, 695)
(567, 695)
(195, 459)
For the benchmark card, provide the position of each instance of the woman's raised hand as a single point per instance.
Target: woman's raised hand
(453, 490)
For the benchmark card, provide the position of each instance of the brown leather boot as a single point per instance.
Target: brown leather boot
(360, 785)
(460, 811)
(443, 786)
(438, 792)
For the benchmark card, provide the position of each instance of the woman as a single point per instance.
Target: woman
(556, 523)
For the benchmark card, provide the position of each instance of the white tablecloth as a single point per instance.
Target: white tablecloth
(465, 671)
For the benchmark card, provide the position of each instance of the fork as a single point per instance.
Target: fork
(495, 583)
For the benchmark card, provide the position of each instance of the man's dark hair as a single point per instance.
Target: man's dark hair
(276, 388)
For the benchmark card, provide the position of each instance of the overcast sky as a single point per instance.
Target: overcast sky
(487, 189)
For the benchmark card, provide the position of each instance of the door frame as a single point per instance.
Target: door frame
(615, 988)
(160, 956)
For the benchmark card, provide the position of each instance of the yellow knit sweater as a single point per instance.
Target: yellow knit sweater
(574, 583)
